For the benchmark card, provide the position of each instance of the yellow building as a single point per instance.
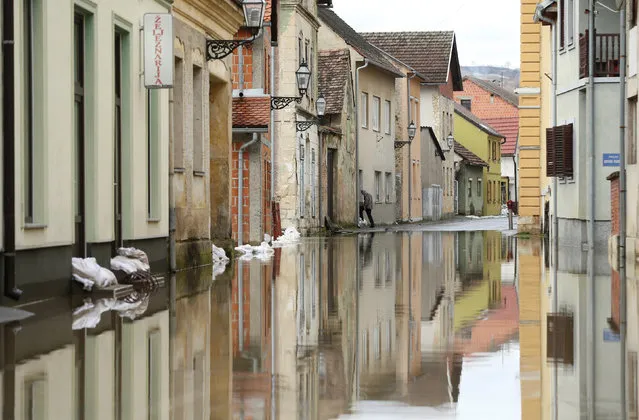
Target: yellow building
(485, 142)
(529, 143)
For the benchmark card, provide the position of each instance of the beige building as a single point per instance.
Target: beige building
(296, 164)
(434, 56)
(374, 77)
(85, 152)
(201, 139)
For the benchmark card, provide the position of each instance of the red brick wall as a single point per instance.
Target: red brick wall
(266, 190)
(615, 290)
(447, 89)
(246, 308)
(234, 193)
(481, 104)
(614, 204)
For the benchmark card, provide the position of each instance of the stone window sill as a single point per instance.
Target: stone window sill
(34, 226)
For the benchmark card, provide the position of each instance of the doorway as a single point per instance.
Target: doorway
(117, 161)
(330, 184)
(79, 246)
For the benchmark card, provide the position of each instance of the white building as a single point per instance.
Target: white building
(86, 147)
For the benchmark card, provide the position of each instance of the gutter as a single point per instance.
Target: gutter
(357, 128)
(272, 137)
(240, 189)
(622, 206)
(8, 151)
(590, 112)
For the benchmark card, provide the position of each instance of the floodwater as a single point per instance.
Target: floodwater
(413, 325)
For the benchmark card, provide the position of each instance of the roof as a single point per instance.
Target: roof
(436, 142)
(334, 72)
(476, 121)
(251, 112)
(432, 54)
(509, 127)
(469, 156)
(357, 41)
(507, 95)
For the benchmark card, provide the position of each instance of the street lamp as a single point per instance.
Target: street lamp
(254, 10)
(450, 140)
(303, 78)
(320, 106)
(412, 132)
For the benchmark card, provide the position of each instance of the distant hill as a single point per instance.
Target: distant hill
(494, 74)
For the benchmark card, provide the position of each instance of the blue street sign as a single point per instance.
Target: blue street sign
(611, 159)
(610, 336)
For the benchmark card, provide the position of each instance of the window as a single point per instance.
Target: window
(178, 111)
(365, 348)
(389, 186)
(632, 130)
(567, 19)
(377, 345)
(198, 126)
(634, 5)
(470, 187)
(361, 181)
(560, 338)
(489, 196)
(122, 112)
(387, 117)
(313, 182)
(378, 271)
(466, 103)
(559, 151)
(300, 48)
(388, 270)
(378, 186)
(79, 130)
(479, 186)
(376, 113)
(33, 64)
(364, 110)
(153, 153)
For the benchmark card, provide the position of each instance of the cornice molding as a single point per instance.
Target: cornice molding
(217, 15)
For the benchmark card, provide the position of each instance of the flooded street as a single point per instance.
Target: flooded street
(437, 324)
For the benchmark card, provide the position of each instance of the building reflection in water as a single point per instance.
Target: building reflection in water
(327, 326)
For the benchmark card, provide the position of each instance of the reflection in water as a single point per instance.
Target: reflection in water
(404, 325)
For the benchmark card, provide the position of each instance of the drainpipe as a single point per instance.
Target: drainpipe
(272, 129)
(622, 203)
(591, 204)
(410, 155)
(554, 193)
(357, 128)
(172, 216)
(8, 151)
(240, 190)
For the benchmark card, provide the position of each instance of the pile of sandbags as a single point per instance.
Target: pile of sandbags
(88, 272)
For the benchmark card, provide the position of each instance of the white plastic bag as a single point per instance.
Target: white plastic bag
(128, 265)
(88, 272)
(138, 254)
(219, 256)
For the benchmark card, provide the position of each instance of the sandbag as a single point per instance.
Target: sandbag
(89, 273)
(138, 254)
(128, 265)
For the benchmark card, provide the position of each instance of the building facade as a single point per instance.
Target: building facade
(434, 56)
(499, 108)
(296, 168)
(578, 150)
(338, 193)
(86, 142)
(375, 93)
(485, 142)
(432, 175)
(251, 166)
(200, 192)
(469, 169)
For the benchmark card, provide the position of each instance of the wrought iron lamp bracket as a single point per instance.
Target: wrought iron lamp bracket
(281, 102)
(305, 125)
(217, 49)
(399, 144)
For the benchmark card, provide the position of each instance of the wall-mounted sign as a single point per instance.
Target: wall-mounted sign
(610, 336)
(611, 159)
(158, 50)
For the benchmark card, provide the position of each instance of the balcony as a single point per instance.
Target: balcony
(606, 55)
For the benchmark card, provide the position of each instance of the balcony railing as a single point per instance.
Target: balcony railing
(606, 55)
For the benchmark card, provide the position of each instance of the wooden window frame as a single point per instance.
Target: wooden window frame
(559, 151)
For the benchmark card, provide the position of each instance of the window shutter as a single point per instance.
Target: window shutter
(562, 23)
(567, 151)
(559, 152)
(550, 152)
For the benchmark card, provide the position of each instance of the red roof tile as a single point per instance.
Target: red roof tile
(251, 112)
(509, 127)
(334, 73)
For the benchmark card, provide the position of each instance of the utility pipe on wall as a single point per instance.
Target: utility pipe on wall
(357, 128)
(410, 155)
(240, 189)
(591, 210)
(622, 204)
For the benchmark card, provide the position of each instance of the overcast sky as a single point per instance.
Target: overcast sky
(487, 32)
